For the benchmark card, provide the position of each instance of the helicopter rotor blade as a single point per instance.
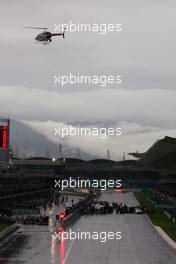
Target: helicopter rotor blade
(44, 28)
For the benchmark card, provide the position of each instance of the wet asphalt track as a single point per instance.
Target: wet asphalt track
(140, 243)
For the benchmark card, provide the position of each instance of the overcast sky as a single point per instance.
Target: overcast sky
(143, 53)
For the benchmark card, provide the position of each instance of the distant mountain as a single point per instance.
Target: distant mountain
(27, 142)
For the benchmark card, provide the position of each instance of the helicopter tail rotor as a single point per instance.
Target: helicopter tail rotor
(63, 34)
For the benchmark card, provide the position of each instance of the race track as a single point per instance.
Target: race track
(140, 243)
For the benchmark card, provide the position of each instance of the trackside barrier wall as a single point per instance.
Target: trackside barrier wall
(72, 218)
(69, 220)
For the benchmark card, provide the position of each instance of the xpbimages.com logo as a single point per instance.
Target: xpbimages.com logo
(100, 28)
(86, 79)
(103, 184)
(102, 132)
(102, 236)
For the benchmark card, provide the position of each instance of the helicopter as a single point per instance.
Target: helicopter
(46, 36)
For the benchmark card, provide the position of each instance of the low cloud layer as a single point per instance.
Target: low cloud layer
(152, 108)
(145, 116)
(135, 137)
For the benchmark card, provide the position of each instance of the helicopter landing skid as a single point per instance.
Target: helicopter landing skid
(43, 42)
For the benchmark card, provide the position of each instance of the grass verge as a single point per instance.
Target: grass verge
(3, 226)
(157, 216)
